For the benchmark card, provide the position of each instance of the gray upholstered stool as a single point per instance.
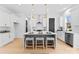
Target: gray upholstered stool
(49, 42)
(39, 42)
(29, 42)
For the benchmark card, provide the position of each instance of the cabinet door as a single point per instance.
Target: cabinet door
(7, 21)
(4, 38)
(4, 19)
(63, 35)
(76, 40)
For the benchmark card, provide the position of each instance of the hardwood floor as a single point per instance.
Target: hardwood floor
(16, 47)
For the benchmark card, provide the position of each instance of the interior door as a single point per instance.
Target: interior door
(52, 24)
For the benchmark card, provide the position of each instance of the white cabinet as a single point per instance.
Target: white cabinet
(76, 40)
(4, 19)
(4, 39)
(61, 35)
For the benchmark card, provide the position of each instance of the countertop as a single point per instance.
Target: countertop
(37, 33)
(4, 31)
(69, 32)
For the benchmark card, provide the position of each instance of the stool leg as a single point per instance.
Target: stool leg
(43, 43)
(46, 44)
(24, 43)
(36, 44)
(33, 44)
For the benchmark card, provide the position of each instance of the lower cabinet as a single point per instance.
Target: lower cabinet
(76, 40)
(4, 39)
(61, 35)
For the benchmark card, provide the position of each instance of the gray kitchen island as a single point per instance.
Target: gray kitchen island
(44, 35)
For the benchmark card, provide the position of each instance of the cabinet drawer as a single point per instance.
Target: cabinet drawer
(5, 35)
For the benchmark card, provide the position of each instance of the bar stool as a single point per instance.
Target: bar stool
(39, 42)
(49, 42)
(29, 43)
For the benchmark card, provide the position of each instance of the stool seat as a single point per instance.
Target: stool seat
(29, 38)
(49, 42)
(39, 38)
(50, 38)
(39, 42)
(29, 42)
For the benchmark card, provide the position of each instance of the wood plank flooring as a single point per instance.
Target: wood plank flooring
(17, 47)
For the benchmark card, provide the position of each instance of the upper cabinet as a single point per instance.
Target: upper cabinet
(4, 19)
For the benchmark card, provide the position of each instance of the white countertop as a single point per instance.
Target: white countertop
(69, 32)
(43, 33)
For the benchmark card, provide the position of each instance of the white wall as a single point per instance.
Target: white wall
(20, 28)
(75, 20)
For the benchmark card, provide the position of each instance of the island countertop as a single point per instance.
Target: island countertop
(37, 33)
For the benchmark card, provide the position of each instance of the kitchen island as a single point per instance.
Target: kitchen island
(44, 35)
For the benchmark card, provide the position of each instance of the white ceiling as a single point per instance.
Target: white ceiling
(26, 9)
